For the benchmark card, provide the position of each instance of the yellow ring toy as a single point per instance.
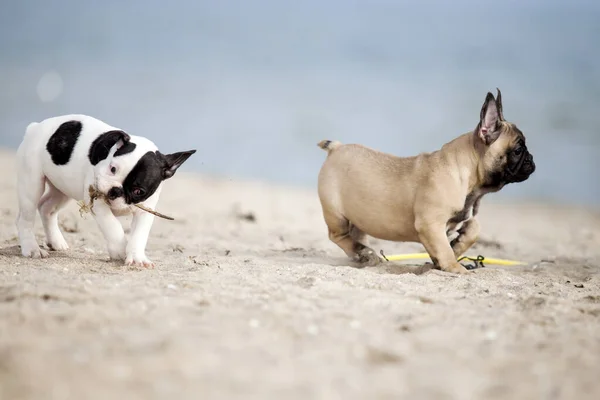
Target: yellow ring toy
(421, 256)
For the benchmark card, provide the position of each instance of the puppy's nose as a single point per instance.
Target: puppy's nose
(115, 192)
(530, 164)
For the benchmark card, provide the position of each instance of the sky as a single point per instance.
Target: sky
(254, 85)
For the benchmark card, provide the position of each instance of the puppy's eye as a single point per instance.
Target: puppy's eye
(113, 169)
(518, 151)
(138, 192)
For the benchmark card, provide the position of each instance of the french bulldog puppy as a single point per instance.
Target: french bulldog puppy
(431, 198)
(70, 153)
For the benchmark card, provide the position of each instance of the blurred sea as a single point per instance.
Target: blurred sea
(254, 85)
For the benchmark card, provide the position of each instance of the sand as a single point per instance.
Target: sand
(249, 299)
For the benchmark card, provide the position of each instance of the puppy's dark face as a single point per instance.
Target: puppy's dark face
(517, 160)
(506, 158)
(149, 172)
(129, 171)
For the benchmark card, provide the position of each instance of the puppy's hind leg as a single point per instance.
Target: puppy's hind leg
(49, 206)
(357, 235)
(349, 239)
(30, 187)
(366, 254)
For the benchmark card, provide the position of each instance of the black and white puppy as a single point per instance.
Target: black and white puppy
(71, 152)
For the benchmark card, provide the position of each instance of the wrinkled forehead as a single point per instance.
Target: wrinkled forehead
(512, 134)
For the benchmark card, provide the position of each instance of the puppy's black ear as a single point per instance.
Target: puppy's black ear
(102, 144)
(487, 129)
(499, 105)
(174, 161)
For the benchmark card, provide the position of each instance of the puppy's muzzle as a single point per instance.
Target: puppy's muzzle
(524, 169)
(115, 193)
(527, 166)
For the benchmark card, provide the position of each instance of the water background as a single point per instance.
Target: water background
(254, 85)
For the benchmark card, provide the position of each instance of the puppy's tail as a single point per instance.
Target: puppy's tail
(329, 145)
(30, 131)
(31, 126)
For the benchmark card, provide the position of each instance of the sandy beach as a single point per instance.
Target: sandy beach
(249, 299)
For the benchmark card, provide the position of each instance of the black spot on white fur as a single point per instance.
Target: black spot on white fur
(62, 142)
(125, 149)
(102, 144)
(150, 170)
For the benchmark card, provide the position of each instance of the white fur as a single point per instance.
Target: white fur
(35, 169)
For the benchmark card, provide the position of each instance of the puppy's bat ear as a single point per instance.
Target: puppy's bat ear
(499, 105)
(102, 144)
(487, 129)
(174, 161)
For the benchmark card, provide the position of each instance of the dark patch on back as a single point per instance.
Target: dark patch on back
(62, 142)
(102, 144)
(147, 174)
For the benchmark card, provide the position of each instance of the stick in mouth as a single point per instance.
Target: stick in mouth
(151, 211)
(95, 194)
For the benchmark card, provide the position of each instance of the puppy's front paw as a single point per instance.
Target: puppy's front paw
(58, 244)
(139, 261)
(118, 250)
(32, 250)
(456, 268)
